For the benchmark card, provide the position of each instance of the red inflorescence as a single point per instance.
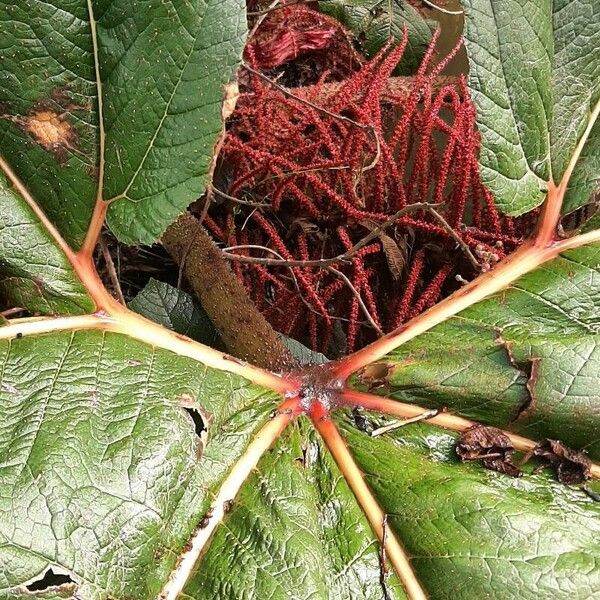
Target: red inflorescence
(315, 174)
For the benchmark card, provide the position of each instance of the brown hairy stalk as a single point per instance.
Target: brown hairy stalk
(244, 331)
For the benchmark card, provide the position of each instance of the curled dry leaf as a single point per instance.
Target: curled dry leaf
(571, 466)
(395, 253)
(489, 445)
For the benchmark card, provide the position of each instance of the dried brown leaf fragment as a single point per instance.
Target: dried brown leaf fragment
(489, 445)
(572, 467)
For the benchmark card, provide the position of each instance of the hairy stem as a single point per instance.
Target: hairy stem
(242, 328)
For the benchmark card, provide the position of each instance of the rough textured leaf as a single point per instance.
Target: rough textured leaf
(295, 531)
(163, 68)
(474, 533)
(34, 272)
(527, 359)
(47, 67)
(164, 71)
(176, 310)
(112, 450)
(535, 77)
(373, 23)
(100, 469)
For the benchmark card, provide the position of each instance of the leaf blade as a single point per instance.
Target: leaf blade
(462, 523)
(373, 23)
(295, 531)
(162, 70)
(36, 275)
(46, 53)
(536, 354)
(534, 79)
(126, 460)
(159, 148)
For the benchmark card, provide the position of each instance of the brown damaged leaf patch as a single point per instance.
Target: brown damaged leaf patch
(375, 375)
(50, 129)
(232, 93)
(489, 445)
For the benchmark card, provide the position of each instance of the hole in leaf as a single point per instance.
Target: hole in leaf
(199, 426)
(200, 420)
(375, 375)
(48, 579)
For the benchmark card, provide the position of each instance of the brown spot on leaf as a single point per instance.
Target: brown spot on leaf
(93, 171)
(375, 375)
(302, 460)
(360, 420)
(233, 359)
(571, 466)
(48, 124)
(51, 130)
(489, 445)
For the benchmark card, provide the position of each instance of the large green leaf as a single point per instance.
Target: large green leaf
(295, 531)
(476, 534)
(101, 471)
(162, 68)
(48, 77)
(527, 359)
(535, 77)
(176, 310)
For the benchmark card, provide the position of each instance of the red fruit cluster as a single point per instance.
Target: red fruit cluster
(312, 171)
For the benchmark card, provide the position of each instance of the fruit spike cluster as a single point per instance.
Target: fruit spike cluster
(317, 170)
